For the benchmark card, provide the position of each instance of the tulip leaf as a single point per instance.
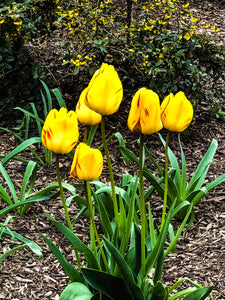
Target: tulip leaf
(69, 269)
(76, 291)
(32, 245)
(111, 286)
(200, 173)
(76, 242)
(11, 251)
(20, 148)
(59, 97)
(125, 271)
(25, 202)
(105, 221)
(199, 294)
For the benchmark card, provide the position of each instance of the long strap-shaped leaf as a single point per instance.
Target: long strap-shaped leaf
(32, 245)
(20, 148)
(76, 242)
(25, 202)
(70, 270)
(9, 183)
(30, 173)
(125, 271)
(199, 175)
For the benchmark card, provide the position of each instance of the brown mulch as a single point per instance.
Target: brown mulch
(200, 252)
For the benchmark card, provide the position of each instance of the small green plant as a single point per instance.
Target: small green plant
(4, 230)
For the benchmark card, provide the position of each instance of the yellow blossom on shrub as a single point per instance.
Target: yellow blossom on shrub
(87, 163)
(176, 112)
(60, 131)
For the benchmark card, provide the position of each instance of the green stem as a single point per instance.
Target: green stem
(65, 206)
(142, 209)
(85, 133)
(93, 226)
(166, 180)
(115, 205)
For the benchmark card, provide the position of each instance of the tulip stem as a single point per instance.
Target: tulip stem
(93, 225)
(65, 207)
(165, 180)
(142, 209)
(85, 133)
(115, 205)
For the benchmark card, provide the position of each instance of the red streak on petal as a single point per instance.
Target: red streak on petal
(146, 112)
(78, 107)
(79, 166)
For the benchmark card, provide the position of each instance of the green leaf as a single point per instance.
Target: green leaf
(25, 202)
(76, 291)
(9, 183)
(32, 245)
(30, 174)
(125, 271)
(11, 251)
(105, 221)
(199, 175)
(76, 242)
(69, 269)
(199, 294)
(48, 94)
(160, 292)
(92, 134)
(59, 97)
(20, 148)
(111, 286)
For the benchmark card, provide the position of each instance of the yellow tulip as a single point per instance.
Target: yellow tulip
(144, 115)
(87, 163)
(60, 131)
(86, 115)
(176, 112)
(105, 91)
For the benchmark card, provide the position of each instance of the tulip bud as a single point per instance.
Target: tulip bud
(144, 115)
(176, 112)
(87, 163)
(105, 91)
(60, 131)
(86, 115)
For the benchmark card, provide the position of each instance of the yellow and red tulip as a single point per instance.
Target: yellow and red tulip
(60, 131)
(144, 115)
(105, 91)
(87, 163)
(176, 112)
(86, 115)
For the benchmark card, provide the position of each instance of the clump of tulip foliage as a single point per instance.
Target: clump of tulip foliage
(117, 262)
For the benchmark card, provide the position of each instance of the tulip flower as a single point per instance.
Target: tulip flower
(86, 115)
(105, 91)
(87, 163)
(176, 112)
(144, 115)
(60, 131)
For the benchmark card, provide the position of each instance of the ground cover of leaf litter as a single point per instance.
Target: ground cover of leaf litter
(200, 252)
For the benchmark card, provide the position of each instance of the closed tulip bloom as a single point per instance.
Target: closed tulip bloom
(144, 115)
(176, 112)
(86, 115)
(60, 131)
(87, 163)
(105, 91)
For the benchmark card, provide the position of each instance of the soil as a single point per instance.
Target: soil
(200, 254)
